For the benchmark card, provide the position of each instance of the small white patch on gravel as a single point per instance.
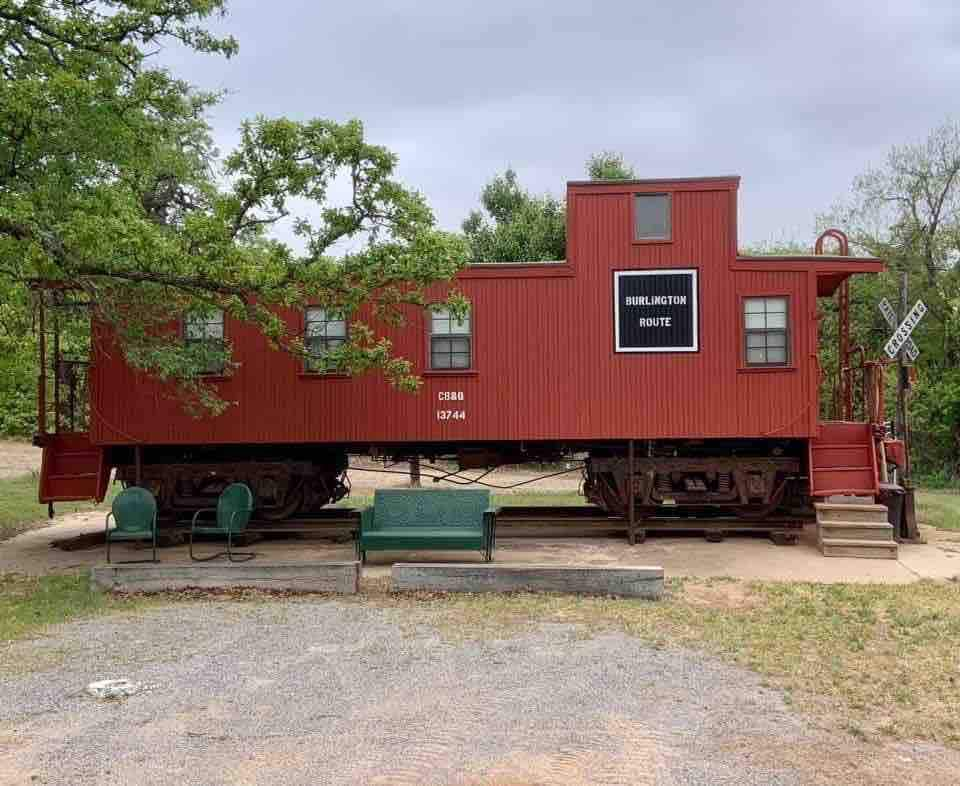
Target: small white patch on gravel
(108, 690)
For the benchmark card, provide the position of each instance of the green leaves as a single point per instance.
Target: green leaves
(907, 211)
(521, 227)
(608, 165)
(517, 226)
(110, 184)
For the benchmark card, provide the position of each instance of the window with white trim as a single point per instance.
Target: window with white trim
(451, 341)
(323, 330)
(206, 329)
(766, 331)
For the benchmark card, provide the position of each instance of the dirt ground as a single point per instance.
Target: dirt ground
(18, 458)
(739, 556)
(317, 691)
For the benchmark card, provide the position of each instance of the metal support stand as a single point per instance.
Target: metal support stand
(909, 529)
(845, 386)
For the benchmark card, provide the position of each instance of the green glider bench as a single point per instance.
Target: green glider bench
(426, 520)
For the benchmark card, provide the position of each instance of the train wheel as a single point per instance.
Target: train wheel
(760, 512)
(291, 504)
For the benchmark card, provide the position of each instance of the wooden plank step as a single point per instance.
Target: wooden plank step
(834, 511)
(862, 530)
(856, 547)
(839, 445)
(849, 506)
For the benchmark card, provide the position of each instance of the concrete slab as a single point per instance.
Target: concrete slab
(739, 556)
(339, 577)
(632, 581)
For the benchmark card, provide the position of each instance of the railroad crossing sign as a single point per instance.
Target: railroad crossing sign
(901, 336)
(910, 349)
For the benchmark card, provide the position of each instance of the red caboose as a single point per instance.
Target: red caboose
(685, 374)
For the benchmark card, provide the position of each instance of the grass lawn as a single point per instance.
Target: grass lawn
(29, 604)
(939, 508)
(876, 660)
(20, 511)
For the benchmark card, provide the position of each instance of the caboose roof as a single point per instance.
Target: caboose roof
(727, 180)
(831, 261)
(831, 269)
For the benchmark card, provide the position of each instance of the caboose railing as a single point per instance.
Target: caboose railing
(858, 391)
(862, 390)
(63, 347)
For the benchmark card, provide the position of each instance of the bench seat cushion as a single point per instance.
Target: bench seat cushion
(416, 538)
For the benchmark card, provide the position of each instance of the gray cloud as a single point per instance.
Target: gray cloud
(797, 97)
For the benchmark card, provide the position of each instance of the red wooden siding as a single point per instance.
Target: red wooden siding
(544, 360)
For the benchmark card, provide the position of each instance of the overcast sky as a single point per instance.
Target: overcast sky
(796, 97)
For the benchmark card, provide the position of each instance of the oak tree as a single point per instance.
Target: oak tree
(110, 185)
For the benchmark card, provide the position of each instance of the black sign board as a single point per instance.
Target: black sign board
(655, 310)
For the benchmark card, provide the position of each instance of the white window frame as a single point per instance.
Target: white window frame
(328, 317)
(215, 317)
(766, 331)
(451, 336)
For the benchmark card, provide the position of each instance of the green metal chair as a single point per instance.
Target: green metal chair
(134, 513)
(232, 515)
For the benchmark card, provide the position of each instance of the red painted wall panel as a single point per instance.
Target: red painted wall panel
(545, 366)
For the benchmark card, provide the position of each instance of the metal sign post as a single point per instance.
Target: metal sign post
(897, 347)
(902, 347)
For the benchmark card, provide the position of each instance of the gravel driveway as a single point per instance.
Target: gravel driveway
(332, 692)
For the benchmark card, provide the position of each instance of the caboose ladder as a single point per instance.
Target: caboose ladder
(72, 469)
(843, 462)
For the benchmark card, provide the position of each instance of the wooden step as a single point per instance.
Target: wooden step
(851, 512)
(856, 530)
(856, 547)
